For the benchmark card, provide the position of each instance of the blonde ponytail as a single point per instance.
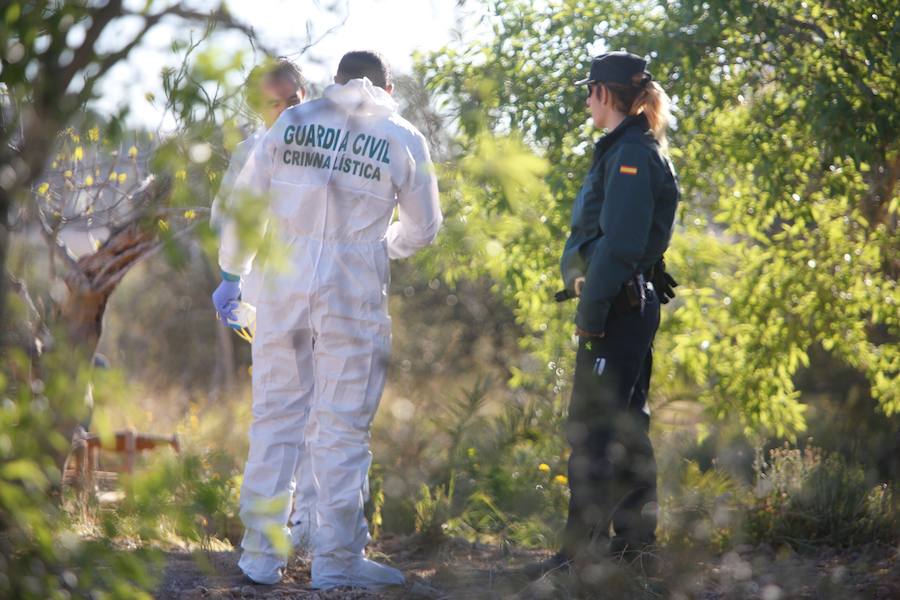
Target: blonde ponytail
(654, 103)
(644, 96)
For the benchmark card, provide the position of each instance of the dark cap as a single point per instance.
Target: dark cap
(615, 67)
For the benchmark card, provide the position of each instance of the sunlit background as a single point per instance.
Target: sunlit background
(314, 34)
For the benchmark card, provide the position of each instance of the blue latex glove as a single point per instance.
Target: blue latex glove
(226, 298)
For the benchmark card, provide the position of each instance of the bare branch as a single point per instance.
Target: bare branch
(123, 260)
(142, 251)
(153, 190)
(18, 286)
(221, 16)
(38, 336)
(83, 55)
(108, 60)
(329, 31)
(56, 245)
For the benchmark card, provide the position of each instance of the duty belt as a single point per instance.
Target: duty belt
(632, 294)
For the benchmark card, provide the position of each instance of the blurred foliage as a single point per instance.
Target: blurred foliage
(67, 172)
(800, 497)
(786, 142)
(803, 499)
(433, 512)
(55, 547)
(701, 507)
(476, 468)
(41, 552)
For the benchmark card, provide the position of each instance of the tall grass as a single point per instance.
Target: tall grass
(803, 498)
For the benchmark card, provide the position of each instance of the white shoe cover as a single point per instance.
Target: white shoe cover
(358, 572)
(261, 568)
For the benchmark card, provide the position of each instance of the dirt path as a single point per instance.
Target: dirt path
(459, 570)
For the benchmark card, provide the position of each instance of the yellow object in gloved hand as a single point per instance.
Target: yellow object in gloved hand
(244, 322)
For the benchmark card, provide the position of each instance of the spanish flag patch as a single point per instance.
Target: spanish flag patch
(626, 170)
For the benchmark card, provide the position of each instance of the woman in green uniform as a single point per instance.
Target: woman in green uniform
(622, 222)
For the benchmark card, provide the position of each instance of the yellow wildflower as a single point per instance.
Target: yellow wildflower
(89, 181)
(43, 188)
(561, 480)
(94, 134)
(190, 214)
(54, 165)
(112, 176)
(181, 174)
(122, 178)
(132, 152)
(67, 173)
(78, 154)
(163, 225)
(544, 468)
(76, 138)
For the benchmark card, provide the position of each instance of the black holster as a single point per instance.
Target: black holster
(633, 294)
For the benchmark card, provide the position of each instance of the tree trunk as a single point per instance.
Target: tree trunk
(93, 278)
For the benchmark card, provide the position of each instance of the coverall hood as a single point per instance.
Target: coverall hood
(361, 97)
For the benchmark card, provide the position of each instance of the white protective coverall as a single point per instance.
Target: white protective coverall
(223, 203)
(335, 169)
(304, 507)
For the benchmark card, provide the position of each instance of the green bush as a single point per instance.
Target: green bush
(433, 510)
(798, 497)
(803, 499)
(44, 552)
(702, 508)
(482, 470)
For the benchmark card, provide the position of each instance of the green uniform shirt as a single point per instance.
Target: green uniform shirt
(622, 218)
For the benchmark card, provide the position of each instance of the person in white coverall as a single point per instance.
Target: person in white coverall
(334, 170)
(271, 88)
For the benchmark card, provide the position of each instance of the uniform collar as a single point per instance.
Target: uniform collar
(360, 97)
(637, 122)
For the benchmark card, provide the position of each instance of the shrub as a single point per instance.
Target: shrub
(703, 508)
(433, 510)
(803, 499)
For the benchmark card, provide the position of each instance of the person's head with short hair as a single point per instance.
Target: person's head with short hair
(365, 63)
(274, 86)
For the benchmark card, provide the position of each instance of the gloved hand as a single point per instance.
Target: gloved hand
(663, 283)
(226, 299)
